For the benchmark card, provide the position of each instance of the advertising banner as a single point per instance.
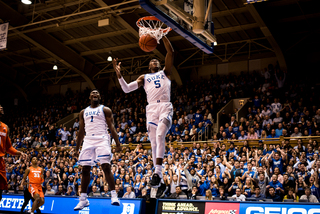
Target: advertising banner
(222, 208)
(279, 208)
(58, 205)
(3, 35)
(209, 207)
(180, 207)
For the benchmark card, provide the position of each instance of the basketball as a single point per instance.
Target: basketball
(147, 43)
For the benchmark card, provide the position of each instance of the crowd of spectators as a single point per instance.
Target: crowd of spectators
(279, 107)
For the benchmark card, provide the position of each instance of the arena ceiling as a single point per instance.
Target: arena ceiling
(66, 33)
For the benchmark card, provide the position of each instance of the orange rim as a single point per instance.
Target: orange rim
(152, 18)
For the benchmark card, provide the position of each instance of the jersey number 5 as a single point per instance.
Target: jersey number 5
(157, 83)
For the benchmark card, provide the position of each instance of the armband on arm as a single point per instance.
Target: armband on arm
(127, 88)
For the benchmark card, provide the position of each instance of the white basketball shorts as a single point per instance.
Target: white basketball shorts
(155, 112)
(95, 150)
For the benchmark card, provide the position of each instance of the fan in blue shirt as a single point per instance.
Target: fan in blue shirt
(276, 185)
(197, 118)
(276, 160)
(203, 186)
(231, 149)
(235, 129)
(174, 125)
(206, 121)
(273, 134)
(122, 138)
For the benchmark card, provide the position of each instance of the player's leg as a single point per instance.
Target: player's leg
(41, 202)
(3, 178)
(152, 124)
(36, 202)
(103, 152)
(38, 210)
(86, 160)
(152, 133)
(85, 179)
(26, 201)
(83, 201)
(110, 180)
(164, 125)
(162, 130)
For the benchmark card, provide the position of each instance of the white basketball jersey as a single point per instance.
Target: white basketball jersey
(157, 87)
(95, 122)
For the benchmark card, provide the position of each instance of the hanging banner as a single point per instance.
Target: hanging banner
(254, 1)
(3, 35)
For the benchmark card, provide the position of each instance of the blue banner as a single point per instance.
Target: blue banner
(60, 204)
(279, 208)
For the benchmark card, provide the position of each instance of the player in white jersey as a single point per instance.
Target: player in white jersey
(93, 124)
(157, 85)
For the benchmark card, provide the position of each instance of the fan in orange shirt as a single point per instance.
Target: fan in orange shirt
(36, 178)
(5, 147)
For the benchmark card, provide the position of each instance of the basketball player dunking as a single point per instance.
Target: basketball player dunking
(36, 178)
(157, 86)
(94, 123)
(5, 147)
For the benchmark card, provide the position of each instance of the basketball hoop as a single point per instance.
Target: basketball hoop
(152, 26)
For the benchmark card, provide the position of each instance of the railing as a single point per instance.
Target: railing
(268, 141)
(68, 120)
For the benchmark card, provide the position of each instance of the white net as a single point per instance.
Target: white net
(153, 28)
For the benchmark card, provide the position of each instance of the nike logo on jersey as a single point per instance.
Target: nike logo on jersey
(91, 113)
(155, 77)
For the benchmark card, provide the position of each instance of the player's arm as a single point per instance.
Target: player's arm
(42, 175)
(109, 119)
(81, 131)
(127, 88)
(169, 57)
(26, 173)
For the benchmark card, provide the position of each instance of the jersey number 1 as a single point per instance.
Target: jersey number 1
(157, 83)
(91, 119)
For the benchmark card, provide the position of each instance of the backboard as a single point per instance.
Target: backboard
(191, 19)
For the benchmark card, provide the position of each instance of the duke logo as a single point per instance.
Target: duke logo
(128, 208)
(85, 210)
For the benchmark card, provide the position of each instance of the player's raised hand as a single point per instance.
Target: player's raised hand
(23, 155)
(116, 67)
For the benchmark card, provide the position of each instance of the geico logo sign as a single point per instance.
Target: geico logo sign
(278, 210)
(15, 203)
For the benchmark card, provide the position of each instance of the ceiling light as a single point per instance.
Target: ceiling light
(109, 59)
(215, 43)
(55, 67)
(26, 1)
